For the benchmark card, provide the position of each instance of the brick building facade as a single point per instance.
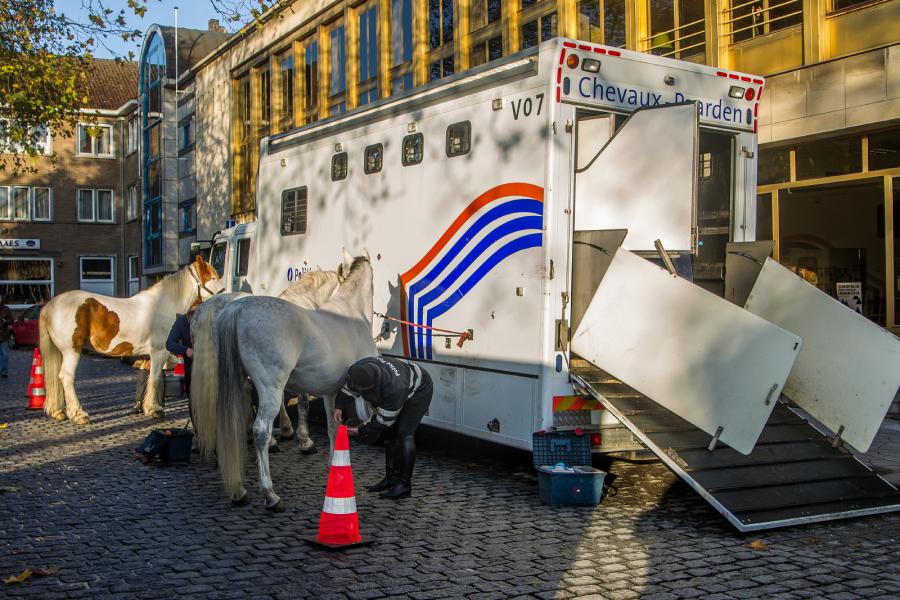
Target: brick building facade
(69, 225)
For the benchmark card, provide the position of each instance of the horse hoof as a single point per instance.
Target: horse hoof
(81, 420)
(310, 450)
(157, 414)
(242, 501)
(277, 507)
(59, 416)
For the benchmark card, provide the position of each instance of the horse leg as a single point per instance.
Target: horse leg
(269, 400)
(151, 396)
(329, 418)
(74, 410)
(287, 428)
(307, 445)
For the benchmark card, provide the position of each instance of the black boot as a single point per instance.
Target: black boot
(403, 487)
(391, 467)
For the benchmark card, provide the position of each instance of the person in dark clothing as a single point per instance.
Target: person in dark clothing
(180, 343)
(401, 392)
(6, 320)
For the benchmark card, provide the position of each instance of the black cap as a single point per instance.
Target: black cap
(363, 375)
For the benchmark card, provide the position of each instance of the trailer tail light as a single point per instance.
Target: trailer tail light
(736, 91)
(596, 439)
(572, 61)
(590, 65)
(750, 94)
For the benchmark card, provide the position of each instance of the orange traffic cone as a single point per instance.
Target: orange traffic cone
(35, 361)
(339, 523)
(36, 397)
(179, 366)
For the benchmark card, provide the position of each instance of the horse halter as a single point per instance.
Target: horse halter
(200, 284)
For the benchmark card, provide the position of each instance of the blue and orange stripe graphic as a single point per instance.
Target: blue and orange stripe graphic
(499, 223)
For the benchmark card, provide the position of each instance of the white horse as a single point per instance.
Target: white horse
(282, 346)
(311, 291)
(131, 326)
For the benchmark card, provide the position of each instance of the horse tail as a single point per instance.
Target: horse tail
(233, 411)
(51, 360)
(204, 392)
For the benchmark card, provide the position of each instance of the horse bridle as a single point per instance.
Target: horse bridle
(200, 284)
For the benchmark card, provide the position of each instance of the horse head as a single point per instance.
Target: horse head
(356, 285)
(208, 282)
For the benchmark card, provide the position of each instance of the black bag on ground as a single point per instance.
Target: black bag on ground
(152, 447)
(168, 445)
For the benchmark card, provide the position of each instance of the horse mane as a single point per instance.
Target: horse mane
(355, 266)
(166, 282)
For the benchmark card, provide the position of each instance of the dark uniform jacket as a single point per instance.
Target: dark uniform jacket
(6, 319)
(180, 337)
(398, 381)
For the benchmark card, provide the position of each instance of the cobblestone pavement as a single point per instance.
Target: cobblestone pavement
(115, 528)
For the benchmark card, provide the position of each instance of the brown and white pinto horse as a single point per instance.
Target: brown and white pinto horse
(138, 325)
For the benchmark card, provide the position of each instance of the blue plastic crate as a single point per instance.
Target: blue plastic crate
(580, 486)
(569, 447)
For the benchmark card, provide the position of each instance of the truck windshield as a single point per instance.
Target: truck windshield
(217, 258)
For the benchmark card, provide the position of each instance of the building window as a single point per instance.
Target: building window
(539, 30)
(95, 206)
(40, 139)
(884, 152)
(244, 169)
(153, 73)
(188, 224)
(187, 133)
(401, 32)
(485, 12)
(339, 164)
(828, 158)
(42, 199)
(413, 149)
(374, 158)
(286, 90)
(311, 80)
(21, 203)
(133, 135)
(487, 51)
(134, 275)
(95, 140)
(264, 81)
(338, 65)
(401, 84)
(293, 210)
(774, 166)
(459, 136)
(756, 18)
(368, 54)
(96, 275)
(838, 5)
(677, 28)
(440, 23)
(440, 68)
(131, 209)
(26, 281)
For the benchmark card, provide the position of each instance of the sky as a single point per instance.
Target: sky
(194, 14)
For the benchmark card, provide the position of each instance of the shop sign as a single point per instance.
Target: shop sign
(20, 244)
(849, 293)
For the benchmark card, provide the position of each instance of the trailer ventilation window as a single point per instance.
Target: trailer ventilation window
(339, 166)
(293, 209)
(459, 138)
(413, 149)
(374, 158)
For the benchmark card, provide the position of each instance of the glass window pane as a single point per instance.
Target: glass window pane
(530, 34)
(85, 205)
(97, 269)
(402, 84)
(494, 10)
(401, 31)
(662, 22)
(829, 157)
(104, 205)
(85, 141)
(338, 60)
(286, 65)
(311, 75)
(21, 203)
(434, 24)
(242, 263)
(41, 203)
(104, 141)
(4, 203)
(589, 21)
(774, 166)
(446, 21)
(217, 258)
(828, 235)
(24, 270)
(884, 150)
(784, 14)
(548, 27)
(614, 22)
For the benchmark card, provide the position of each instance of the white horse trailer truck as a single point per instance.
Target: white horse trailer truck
(514, 206)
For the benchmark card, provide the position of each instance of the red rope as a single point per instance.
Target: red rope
(462, 335)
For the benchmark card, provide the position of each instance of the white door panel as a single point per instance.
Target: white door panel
(700, 356)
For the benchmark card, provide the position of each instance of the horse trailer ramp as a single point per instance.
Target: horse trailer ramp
(794, 475)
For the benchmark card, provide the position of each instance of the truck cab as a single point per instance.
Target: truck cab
(231, 254)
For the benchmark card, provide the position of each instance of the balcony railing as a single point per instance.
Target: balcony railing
(683, 41)
(756, 18)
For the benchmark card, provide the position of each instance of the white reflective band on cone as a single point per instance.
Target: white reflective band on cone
(339, 506)
(38, 392)
(39, 370)
(341, 458)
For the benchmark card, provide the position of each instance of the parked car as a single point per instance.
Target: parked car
(25, 329)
